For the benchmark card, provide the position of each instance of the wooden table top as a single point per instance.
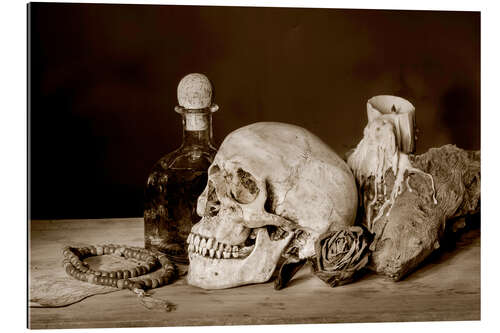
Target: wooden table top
(447, 287)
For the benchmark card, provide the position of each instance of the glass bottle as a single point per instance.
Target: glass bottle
(178, 178)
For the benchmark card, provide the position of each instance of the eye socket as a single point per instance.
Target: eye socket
(244, 188)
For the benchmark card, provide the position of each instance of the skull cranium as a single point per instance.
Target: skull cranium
(272, 187)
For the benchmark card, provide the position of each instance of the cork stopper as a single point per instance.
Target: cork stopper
(194, 92)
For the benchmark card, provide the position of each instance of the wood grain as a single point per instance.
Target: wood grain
(447, 287)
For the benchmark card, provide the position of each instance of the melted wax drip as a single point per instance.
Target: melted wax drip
(373, 157)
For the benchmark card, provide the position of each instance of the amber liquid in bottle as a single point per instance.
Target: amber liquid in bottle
(174, 184)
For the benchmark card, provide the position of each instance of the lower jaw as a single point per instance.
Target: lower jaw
(213, 273)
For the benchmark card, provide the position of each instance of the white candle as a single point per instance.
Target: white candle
(401, 113)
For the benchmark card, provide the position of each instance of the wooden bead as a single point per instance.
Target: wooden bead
(142, 270)
(154, 283)
(82, 252)
(97, 273)
(127, 284)
(99, 250)
(166, 279)
(120, 284)
(147, 283)
(126, 274)
(133, 272)
(104, 274)
(164, 260)
(93, 250)
(119, 274)
(105, 250)
(112, 274)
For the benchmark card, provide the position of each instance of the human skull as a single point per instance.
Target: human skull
(272, 188)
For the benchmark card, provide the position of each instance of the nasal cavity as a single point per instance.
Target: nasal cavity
(213, 204)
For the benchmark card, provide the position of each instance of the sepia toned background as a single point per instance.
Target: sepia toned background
(103, 79)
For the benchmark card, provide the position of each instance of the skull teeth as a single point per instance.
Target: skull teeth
(210, 242)
(210, 247)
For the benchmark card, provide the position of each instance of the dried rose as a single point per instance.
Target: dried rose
(340, 254)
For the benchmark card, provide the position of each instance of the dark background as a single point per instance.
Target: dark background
(103, 81)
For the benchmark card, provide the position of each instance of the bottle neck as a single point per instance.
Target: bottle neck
(197, 128)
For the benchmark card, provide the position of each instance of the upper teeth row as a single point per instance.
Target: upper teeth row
(211, 247)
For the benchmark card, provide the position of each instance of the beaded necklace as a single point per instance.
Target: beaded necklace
(76, 268)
